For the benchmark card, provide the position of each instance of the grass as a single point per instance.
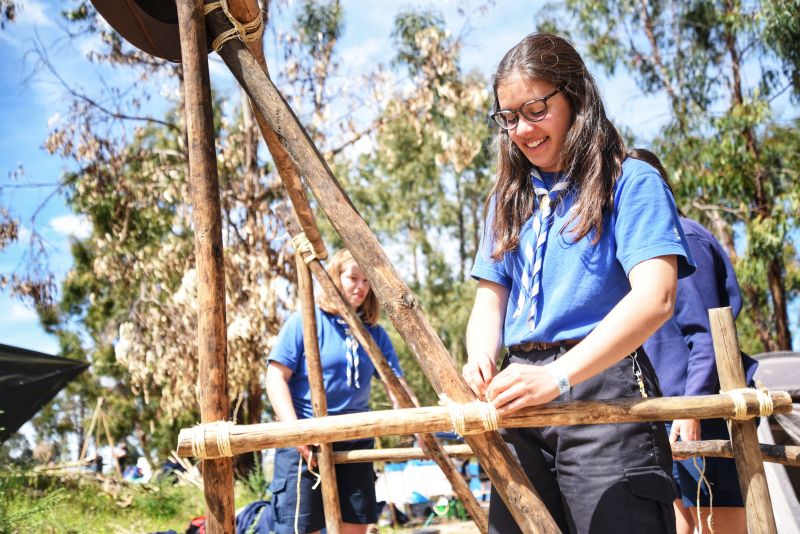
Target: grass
(34, 502)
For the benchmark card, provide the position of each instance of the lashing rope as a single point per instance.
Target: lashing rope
(246, 32)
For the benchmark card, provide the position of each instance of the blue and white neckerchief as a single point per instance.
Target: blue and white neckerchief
(351, 353)
(535, 247)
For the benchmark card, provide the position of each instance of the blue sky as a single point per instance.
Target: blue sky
(30, 99)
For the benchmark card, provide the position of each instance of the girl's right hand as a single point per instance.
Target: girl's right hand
(305, 452)
(478, 373)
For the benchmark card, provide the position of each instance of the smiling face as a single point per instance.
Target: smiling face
(355, 285)
(540, 141)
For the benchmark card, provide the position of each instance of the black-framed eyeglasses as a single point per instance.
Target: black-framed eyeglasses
(533, 111)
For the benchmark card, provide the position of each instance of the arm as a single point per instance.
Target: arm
(485, 335)
(640, 313)
(278, 376)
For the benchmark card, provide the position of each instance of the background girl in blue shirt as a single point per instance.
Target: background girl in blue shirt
(347, 374)
(575, 300)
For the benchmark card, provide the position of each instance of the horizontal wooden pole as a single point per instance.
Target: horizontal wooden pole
(398, 455)
(248, 438)
(719, 448)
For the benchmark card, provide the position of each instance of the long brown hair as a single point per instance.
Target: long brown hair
(591, 155)
(369, 310)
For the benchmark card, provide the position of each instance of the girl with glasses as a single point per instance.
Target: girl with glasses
(578, 265)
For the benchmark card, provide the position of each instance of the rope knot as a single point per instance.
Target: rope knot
(247, 32)
(461, 413)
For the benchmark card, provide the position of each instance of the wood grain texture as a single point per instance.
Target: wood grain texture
(721, 448)
(211, 333)
(247, 438)
(744, 439)
(319, 399)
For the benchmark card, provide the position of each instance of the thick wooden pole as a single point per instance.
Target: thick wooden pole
(390, 381)
(319, 400)
(403, 310)
(246, 11)
(744, 439)
(211, 335)
(248, 438)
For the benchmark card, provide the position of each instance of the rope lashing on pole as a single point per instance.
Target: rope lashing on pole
(765, 404)
(304, 246)
(222, 434)
(246, 32)
(486, 411)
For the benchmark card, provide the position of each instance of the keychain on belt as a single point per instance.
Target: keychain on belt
(637, 372)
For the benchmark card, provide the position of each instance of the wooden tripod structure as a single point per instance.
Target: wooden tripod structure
(295, 155)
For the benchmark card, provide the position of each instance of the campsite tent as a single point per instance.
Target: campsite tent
(781, 371)
(28, 381)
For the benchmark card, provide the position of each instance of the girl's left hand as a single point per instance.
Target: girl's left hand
(520, 385)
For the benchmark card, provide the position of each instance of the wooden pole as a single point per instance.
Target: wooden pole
(211, 335)
(246, 11)
(721, 448)
(744, 439)
(89, 431)
(399, 455)
(390, 381)
(507, 476)
(319, 400)
(248, 438)
(111, 444)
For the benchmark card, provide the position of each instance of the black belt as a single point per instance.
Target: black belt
(542, 345)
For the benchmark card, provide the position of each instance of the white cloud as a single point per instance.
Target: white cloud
(35, 13)
(21, 313)
(71, 225)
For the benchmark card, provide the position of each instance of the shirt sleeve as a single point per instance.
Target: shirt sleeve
(385, 344)
(691, 316)
(484, 267)
(288, 349)
(646, 223)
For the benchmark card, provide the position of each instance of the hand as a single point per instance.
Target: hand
(479, 372)
(685, 430)
(305, 452)
(520, 385)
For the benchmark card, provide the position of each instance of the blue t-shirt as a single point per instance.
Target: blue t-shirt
(342, 399)
(582, 282)
(682, 350)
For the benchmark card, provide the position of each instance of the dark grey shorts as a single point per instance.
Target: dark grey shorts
(356, 483)
(612, 478)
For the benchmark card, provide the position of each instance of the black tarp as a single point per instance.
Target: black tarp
(28, 381)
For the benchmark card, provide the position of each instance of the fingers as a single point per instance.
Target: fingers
(478, 374)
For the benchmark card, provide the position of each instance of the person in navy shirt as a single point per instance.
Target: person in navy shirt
(347, 374)
(682, 353)
(578, 266)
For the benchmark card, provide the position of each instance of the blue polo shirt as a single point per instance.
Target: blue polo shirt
(682, 350)
(581, 282)
(342, 399)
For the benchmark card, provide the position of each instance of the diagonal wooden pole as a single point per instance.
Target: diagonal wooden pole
(319, 401)
(402, 308)
(744, 439)
(211, 335)
(388, 378)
